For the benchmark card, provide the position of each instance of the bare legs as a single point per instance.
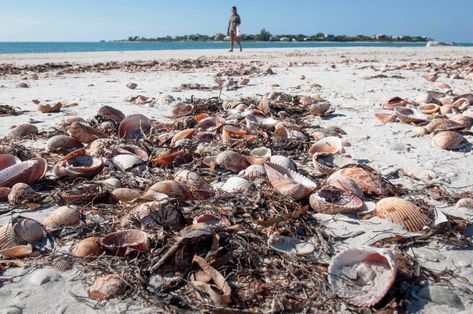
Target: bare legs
(233, 37)
(239, 42)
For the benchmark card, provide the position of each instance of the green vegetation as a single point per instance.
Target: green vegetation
(265, 35)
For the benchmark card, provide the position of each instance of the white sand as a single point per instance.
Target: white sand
(386, 147)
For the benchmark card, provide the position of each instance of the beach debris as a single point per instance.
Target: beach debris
(107, 287)
(47, 108)
(331, 200)
(402, 212)
(132, 85)
(21, 131)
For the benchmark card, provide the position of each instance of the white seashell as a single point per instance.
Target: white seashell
(283, 162)
(125, 162)
(253, 172)
(112, 183)
(236, 184)
(261, 152)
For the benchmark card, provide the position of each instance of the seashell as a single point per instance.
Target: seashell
(409, 116)
(289, 182)
(27, 231)
(125, 162)
(331, 145)
(168, 158)
(306, 100)
(4, 194)
(261, 152)
(236, 184)
(232, 161)
(429, 108)
(465, 121)
(229, 132)
(17, 251)
(107, 287)
(201, 116)
(126, 195)
(121, 242)
(210, 123)
(78, 164)
(172, 189)
(424, 98)
(134, 150)
(290, 245)
(7, 160)
(20, 192)
(394, 102)
(461, 104)
(442, 124)
(448, 140)
(281, 134)
(283, 161)
(112, 183)
(63, 264)
(362, 276)
(345, 184)
(330, 200)
(431, 77)
(254, 172)
(445, 101)
(63, 216)
(182, 110)
(327, 163)
(184, 134)
(47, 108)
(134, 126)
(21, 131)
(132, 85)
(368, 180)
(385, 117)
(27, 172)
(101, 147)
(442, 85)
(446, 109)
(465, 203)
(62, 143)
(110, 113)
(321, 109)
(88, 248)
(198, 186)
(402, 212)
(88, 193)
(84, 133)
(205, 137)
(67, 121)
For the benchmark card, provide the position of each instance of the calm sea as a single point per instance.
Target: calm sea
(44, 47)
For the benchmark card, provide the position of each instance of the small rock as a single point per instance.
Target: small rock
(22, 85)
(11, 310)
(302, 77)
(42, 276)
(440, 295)
(132, 85)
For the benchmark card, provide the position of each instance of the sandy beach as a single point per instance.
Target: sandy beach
(356, 81)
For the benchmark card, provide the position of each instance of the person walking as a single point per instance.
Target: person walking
(234, 29)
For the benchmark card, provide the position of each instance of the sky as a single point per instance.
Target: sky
(94, 20)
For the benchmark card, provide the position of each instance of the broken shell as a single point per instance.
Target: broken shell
(47, 108)
(134, 126)
(21, 131)
(432, 77)
(168, 158)
(332, 201)
(78, 164)
(107, 287)
(327, 163)
(133, 150)
(429, 108)
(461, 104)
(402, 212)
(27, 172)
(231, 131)
(362, 276)
(125, 162)
(321, 109)
(63, 216)
(236, 184)
(394, 102)
(120, 242)
(84, 133)
(231, 161)
(288, 182)
(331, 144)
(345, 184)
(184, 134)
(448, 140)
(385, 117)
(87, 193)
(20, 192)
(110, 113)
(88, 248)
(198, 186)
(409, 116)
(126, 195)
(20, 231)
(172, 189)
(368, 180)
(290, 245)
(62, 143)
(254, 172)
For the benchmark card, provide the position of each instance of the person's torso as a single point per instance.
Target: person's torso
(234, 20)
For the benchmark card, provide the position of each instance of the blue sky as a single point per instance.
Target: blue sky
(92, 20)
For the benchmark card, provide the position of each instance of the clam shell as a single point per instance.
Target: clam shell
(168, 158)
(331, 145)
(394, 102)
(107, 287)
(126, 195)
(288, 182)
(27, 172)
(332, 201)
(429, 108)
(182, 110)
(134, 127)
(20, 192)
(17, 251)
(184, 134)
(261, 152)
(7, 160)
(61, 143)
(78, 164)
(448, 140)
(290, 245)
(47, 108)
(368, 180)
(461, 104)
(321, 109)
(283, 161)
(231, 161)
(21, 131)
(132, 85)
(125, 162)
(442, 124)
(402, 212)
(172, 189)
(63, 216)
(236, 184)
(254, 172)
(88, 248)
(385, 117)
(362, 276)
(408, 115)
(110, 113)
(229, 132)
(120, 242)
(84, 133)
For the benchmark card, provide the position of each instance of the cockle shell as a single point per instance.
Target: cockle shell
(182, 109)
(345, 184)
(110, 113)
(63, 216)
(84, 133)
(402, 212)
(126, 195)
(370, 182)
(331, 144)
(62, 143)
(236, 184)
(184, 134)
(88, 248)
(7, 160)
(253, 172)
(448, 140)
(125, 162)
(283, 161)
(107, 287)
(21, 131)
(47, 108)
(394, 102)
(321, 109)
(27, 172)
(385, 117)
(289, 182)
(408, 115)
(78, 164)
(119, 243)
(232, 161)
(20, 192)
(362, 276)
(20, 231)
(134, 126)
(330, 200)
(172, 189)
(429, 108)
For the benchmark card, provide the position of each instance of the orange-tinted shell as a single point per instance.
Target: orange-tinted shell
(465, 121)
(27, 172)
(368, 181)
(231, 131)
(62, 217)
(47, 108)
(448, 140)
(331, 145)
(17, 251)
(84, 133)
(21, 131)
(394, 102)
(107, 287)
(167, 158)
(88, 248)
(60, 143)
(442, 124)
(187, 133)
(78, 164)
(429, 108)
(402, 212)
(172, 189)
(331, 200)
(134, 126)
(288, 182)
(126, 195)
(120, 242)
(320, 109)
(385, 117)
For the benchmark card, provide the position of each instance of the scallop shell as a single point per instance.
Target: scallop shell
(290, 245)
(47, 108)
(288, 182)
(20, 192)
(254, 172)
(27, 172)
(126, 195)
(119, 243)
(232, 161)
(134, 127)
(394, 102)
(7, 236)
(362, 276)
(110, 113)
(330, 200)
(321, 109)
(331, 145)
(448, 140)
(236, 184)
(385, 117)
(402, 212)
(78, 164)
(107, 287)
(21, 131)
(370, 182)
(283, 161)
(7, 160)
(429, 108)
(4, 194)
(182, 110)
(84, 133)
(172, 189)
(125, 162)
(88, 248)
(327, 163)
(63, 216)
(61, 143)
(408, 115)
(63, 264)
(20, 231)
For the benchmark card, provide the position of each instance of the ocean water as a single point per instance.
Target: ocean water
(45, 47)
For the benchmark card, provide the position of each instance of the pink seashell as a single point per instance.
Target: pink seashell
(119, 243)
(20, 192)
(4, 194)
(63, 216)
(232, 161)
(172, 189)
(321, 109)
(448, 140)
(288, 182)
(402, 212)
(385, 117)
(27, 172)
(62, 143)
(107, 287)
(331, 144)
(134, 126)
(78, 164)
(110, 113)
(47, 108)
(408, 115)
(7, 160)
(331, 200)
